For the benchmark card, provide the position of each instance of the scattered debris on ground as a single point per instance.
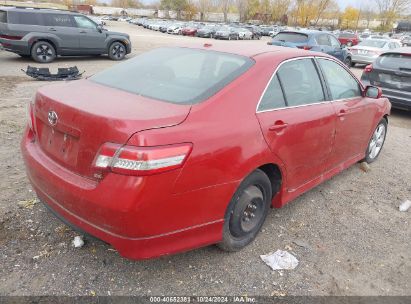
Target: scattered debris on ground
(405, 206)
(280, 260)
(365, 167)
(78, 241)
(71, 73)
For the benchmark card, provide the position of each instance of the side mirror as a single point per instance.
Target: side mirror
(100, 28)
(373, 92)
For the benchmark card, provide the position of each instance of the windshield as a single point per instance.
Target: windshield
(176, 75)
(373, 43)
(291, 37)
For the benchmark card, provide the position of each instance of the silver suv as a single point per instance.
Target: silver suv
(44, 34)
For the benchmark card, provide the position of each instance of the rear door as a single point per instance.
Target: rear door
(354, 114)
(297, 121)
(63, 27)
(91, 39)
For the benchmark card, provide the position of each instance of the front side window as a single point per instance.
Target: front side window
(341, 84)
(323, 40)
(300, 82)
(58, 20)
(176, 75)
(273, 97)
(334, 41)
(84, 22)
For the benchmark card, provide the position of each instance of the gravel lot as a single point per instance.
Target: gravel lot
(347, 233)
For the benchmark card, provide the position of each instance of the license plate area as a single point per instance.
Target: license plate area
(60, 146)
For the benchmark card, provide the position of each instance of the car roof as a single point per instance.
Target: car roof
(252, 50)
(39, 10)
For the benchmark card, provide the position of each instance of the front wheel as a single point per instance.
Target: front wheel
(348, 62)
(117, 51)
(376, 142)
(246, 212)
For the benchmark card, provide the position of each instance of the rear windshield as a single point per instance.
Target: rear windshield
(373, 43)
(395, 61)
(3, 16)
(291, 37)
(176, 75)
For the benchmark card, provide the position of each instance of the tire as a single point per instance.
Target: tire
(348, 62)
(43, 52)
(117, 51)
(376, 142)
(246, 212)
(352, 64)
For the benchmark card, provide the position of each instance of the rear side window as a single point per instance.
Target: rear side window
(3, 16)
(291, 37)
(273, 97)
(58, 20)
(27, 18)
(395, 61)
(341, 84)
(300, 82)
(176, 75)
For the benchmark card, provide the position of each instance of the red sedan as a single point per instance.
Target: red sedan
(348, 39)
(184, 147)
(190, 31)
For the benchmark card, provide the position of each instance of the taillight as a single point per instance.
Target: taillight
(305, 47)
(368, 68)
(132, 160)
(30, 114)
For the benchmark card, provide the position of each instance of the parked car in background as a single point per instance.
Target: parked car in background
(98, 20)
(406, 41)
(207, 31)
(391, 72)
(98, 150)
(368, 50)
(317, 41)
(44, 34)
(348, 39)
(191, 29)
(227, 33)
(244, 34)
(175, 28)
(255, 30)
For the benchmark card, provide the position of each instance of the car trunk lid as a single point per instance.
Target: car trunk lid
(88, 114)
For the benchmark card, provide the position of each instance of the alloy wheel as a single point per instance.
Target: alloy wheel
(118, 51)
(44, 53)
(377, 141)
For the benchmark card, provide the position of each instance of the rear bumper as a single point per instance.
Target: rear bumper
(399, 99)
(15, 46)
(115, 211)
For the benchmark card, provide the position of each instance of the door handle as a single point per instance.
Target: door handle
(83, 32)
(342, 113)
(52, 29)
(278, 126)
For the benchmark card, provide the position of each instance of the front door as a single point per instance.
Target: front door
(62, 26)
(354, 113)
(297, 121)
(92, 40)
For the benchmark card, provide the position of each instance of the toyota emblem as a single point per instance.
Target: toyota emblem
(52, 118)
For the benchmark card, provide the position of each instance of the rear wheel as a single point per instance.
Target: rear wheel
(117, 51)
(246, 212)
(348, 62)
(43, 52)
(377, 141)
